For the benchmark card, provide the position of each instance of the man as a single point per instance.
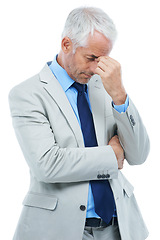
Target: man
(75, 124)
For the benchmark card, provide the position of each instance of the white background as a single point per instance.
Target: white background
(30, 35)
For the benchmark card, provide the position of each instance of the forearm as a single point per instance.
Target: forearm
(76, 164)
(132, 135)
(47, 159)
(51, 163)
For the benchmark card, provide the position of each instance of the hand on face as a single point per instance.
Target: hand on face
(110, 73)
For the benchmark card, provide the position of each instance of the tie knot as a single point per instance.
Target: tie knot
(80, 87)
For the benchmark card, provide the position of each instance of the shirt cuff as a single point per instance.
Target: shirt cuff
(123, 107)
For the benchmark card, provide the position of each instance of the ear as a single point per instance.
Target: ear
(66, 45)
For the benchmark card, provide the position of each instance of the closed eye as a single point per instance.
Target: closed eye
(90, 59)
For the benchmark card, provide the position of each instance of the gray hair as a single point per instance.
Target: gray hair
(85, 20)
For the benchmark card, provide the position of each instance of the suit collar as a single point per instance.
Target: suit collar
(46, 74)
(61, 74)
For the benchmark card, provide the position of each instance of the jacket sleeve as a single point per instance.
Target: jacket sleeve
(132, 134)
(47, 161)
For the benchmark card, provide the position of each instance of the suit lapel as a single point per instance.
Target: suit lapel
(96, 96)
(55, 90)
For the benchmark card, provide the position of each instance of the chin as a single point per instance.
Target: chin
(83, 81)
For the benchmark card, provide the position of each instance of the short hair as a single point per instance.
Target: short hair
(85, 20)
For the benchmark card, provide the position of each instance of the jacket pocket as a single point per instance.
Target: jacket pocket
(128, 189)
(39, 200)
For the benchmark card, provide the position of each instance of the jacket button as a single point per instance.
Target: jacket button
(107, 176)
(82, 208)
(103, 176)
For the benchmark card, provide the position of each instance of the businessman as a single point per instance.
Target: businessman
(76, 124)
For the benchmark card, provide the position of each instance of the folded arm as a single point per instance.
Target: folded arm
(132, 135)
(47, 160)
(130, 129)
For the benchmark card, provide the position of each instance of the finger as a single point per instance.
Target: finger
(104, 73)
(109, 61)
(115, 138)
(121, 162)
(99, 71)
(102, 66)
(120, 167)
(105, 60)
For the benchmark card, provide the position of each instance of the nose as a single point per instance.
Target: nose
(93, 66)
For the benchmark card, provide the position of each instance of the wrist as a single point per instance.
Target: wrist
(119, 98)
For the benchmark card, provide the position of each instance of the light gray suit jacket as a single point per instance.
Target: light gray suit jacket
(61, 167)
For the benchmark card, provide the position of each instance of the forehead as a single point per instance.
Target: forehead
(98, 45)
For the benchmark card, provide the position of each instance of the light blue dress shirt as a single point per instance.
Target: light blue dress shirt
(71, 93)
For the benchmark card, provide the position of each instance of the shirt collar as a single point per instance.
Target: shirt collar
(61, 74)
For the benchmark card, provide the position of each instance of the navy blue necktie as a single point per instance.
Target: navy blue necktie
(102, 193)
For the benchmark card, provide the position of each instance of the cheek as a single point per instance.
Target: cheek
(79, 62)
(77, 65)
(71, 64)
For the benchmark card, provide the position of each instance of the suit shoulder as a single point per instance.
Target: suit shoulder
(34, 84)
(25, 86)
(22, 96)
